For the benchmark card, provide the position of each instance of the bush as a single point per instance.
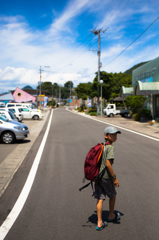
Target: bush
(52, 103)
(144, 112)
(80, 109)
(136, 117)
(93, 114)
(92, 110)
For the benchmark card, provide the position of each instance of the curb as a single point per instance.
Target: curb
(139, 127)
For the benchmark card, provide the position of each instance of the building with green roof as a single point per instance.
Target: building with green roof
(145, 81)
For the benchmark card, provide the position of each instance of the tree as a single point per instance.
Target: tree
(119, 80)
(136, 103)
(81, 91)
(112, 83)
(55, 89)
(67, 84)
(46, 86)
(106, 86)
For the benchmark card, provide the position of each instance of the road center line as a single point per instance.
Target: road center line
(8, 223)
(128, 130)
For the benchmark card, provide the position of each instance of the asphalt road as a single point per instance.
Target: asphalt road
(55, 209)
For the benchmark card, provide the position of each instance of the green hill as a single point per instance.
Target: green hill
(129, 71)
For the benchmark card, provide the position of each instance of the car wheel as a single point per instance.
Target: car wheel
(111, 115)
(8, 137)
(35, 117)
(125, 115)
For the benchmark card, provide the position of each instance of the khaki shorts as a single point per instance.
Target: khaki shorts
(105, 188)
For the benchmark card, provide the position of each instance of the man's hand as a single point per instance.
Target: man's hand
(116, 182)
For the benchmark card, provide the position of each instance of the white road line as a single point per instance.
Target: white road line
(128, 130)
(7, 224)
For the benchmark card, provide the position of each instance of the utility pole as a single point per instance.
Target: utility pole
(40, 87)
(52, 95)
(70, 88)
(98, 32)
(70, 95)
(40, 82)
(59, 94)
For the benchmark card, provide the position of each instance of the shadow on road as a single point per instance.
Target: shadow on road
(93, 218)
(22, 141)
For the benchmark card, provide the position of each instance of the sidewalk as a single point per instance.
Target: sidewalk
(140, 127)
(13, 161)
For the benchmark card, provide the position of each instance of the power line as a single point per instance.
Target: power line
(133, 41)
(129, 44)
(115, 10)
(119, 12)
(75, 58)
(105, 13)
(79, 48)
(74, 51)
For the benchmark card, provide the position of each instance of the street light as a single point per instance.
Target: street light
(101, 82)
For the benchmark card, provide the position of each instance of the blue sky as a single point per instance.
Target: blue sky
(57, 34)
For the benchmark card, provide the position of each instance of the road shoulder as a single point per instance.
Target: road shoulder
(12, 162)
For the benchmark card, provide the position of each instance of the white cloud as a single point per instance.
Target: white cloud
(22, 75)
(24, 50)
(74, 8)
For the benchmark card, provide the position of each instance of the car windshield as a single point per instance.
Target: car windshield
(3, 119)
(12, 115)
(11, 110)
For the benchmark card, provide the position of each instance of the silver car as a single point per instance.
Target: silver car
(11, 131)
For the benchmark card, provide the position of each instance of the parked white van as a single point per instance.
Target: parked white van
(26, 105)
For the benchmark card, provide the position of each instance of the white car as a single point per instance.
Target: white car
(8, 115)
(29, 114)
(17, 112)
(30, 107)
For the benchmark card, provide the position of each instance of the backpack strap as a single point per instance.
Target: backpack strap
(103, 171)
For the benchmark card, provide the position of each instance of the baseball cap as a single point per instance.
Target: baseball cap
(111, 130)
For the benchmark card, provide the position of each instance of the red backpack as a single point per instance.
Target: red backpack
(91, 165)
